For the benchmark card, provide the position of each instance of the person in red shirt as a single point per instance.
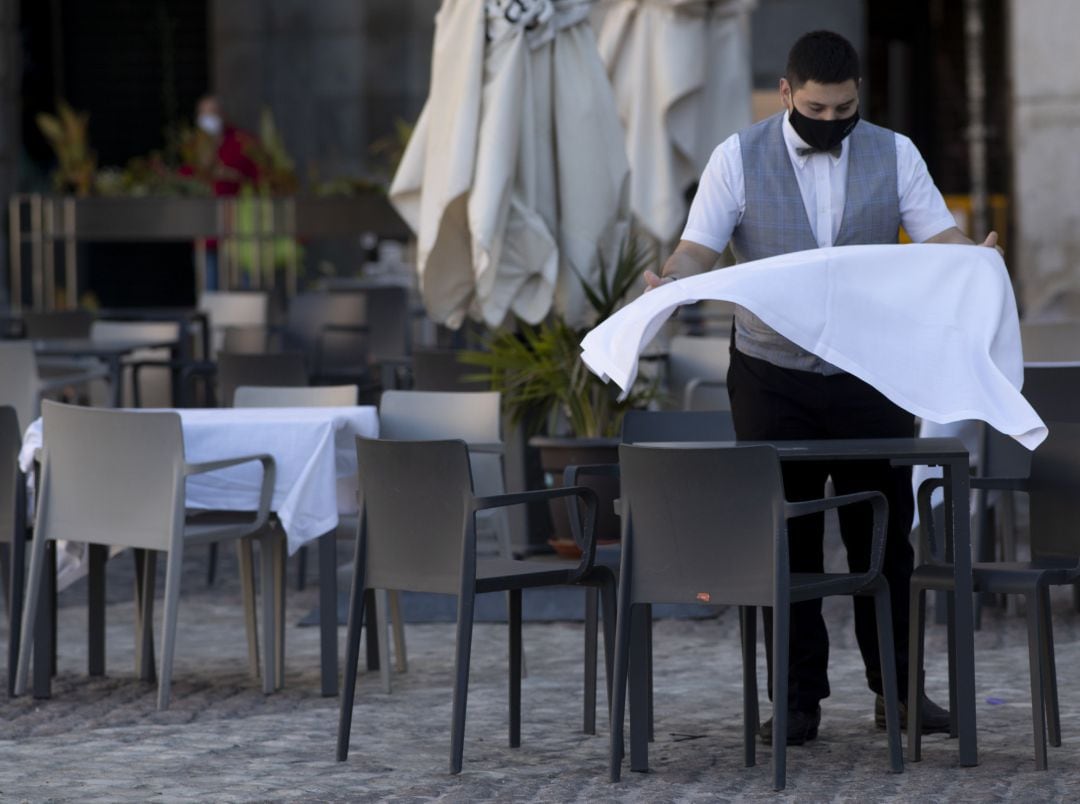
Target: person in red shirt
(224, 159)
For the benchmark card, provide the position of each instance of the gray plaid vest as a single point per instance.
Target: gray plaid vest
(775, 220)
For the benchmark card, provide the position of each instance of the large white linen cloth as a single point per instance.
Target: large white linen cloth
(314, 455)
(681, 73)
(515, 176)
(932, 327)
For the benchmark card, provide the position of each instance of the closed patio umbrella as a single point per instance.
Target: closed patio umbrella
(515, 178)
(681, 73)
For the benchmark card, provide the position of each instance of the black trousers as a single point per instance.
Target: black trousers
(769, 402)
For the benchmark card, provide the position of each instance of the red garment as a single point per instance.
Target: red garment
(233, 155)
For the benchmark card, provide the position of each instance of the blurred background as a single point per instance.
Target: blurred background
(987, 89)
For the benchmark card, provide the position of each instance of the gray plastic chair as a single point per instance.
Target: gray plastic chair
(473, 416)
(276, 369)
(709, 525)
(244, 311)
(58, 324)
(417, 532)
(440, 370)
(312, 396)
(693, 358)
(12, 531)
(1054, 493)
(117, 478)
(1050, 341)
(151, 369)
(23, 387)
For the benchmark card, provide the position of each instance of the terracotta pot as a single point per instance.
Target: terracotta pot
(558, 453)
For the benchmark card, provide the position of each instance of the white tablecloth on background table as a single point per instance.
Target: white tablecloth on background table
(314, 452)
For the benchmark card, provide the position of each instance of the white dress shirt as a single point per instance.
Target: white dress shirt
(721, 196)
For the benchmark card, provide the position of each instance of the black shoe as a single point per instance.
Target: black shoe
(935, 720)
(801, 726)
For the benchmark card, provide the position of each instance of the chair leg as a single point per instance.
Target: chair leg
(397, 626)
(514, 618)
(781, 627)
(887, 654)
(1038, 697)
(45, 628)
(29, 614)
(269, 581)
(1049, 665)
(950, 631)
(97, 555)
(173, 567)
(352, 658)
(383, 626)
(748, 639)
(301, 568)
(916, 632)
(16, 579)
(461, 679)
(618, 688)
(211, 564)
(279, 549)
(592, 606)
(607, 608)
(649, 670)
(639, 682)
(145, 581)
(246, 569)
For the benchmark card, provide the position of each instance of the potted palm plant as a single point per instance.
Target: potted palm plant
(572, 416)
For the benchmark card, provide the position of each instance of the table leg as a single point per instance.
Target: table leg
(328, 612)
(97, 555)
(116, 376)
(957, 484)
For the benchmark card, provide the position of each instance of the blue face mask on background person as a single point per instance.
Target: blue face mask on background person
(822, 135)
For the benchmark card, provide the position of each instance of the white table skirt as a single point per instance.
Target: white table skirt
(313, 450)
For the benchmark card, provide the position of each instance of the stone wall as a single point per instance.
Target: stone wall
(336, 73)
(1045, 256)
(9, 123)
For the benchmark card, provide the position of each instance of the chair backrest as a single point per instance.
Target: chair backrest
(312, 396)
(10, 442)
(306, 321)
(702, 394)
(387, 319)
(440, 370)
(1054, 391)
(282, 369)
(691, 357)
(58, 324)
(155, 387)
(111, 476)
(472, 416)
(677, 425)
(244, 309)
(1050, 341)
(413, 496)
(705, 525)
(1055, 492)
(19, 382)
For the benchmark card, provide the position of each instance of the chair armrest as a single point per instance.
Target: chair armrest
(571, 473)
(880, 507)
(587, 541)
(266, 491)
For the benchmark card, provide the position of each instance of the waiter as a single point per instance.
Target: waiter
(815, 176)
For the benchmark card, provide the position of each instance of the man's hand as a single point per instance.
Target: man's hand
(654, 280)
(991, 242)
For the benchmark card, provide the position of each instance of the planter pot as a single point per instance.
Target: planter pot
(558, 453)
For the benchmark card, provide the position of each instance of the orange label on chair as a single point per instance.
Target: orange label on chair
(704, 597)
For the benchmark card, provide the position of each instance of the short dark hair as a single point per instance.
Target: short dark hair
(824, 57)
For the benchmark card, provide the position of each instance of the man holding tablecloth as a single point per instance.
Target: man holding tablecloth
(814, 176)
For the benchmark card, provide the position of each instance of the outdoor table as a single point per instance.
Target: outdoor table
(315, 458)
(111, 352)
(951, 455)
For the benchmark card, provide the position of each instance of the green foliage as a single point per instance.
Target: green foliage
(67, 133)
(539, 372)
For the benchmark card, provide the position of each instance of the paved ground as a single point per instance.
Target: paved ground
(102, 740)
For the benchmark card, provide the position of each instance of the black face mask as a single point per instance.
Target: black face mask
(824, 135)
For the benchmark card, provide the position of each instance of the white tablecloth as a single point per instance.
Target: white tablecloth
(313, 449)
(932, 327)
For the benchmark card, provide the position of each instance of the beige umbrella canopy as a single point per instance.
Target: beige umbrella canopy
(681, 73)
(515, 177)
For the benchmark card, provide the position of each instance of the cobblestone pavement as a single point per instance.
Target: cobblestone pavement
(101, 739)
